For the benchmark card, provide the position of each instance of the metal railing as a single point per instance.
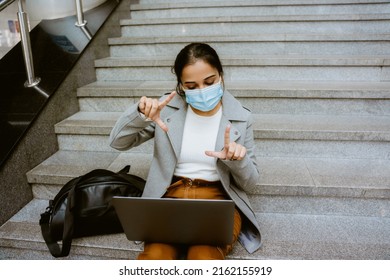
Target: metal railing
(33, 81)
(5, 3)
(81, 22)
(26, 47)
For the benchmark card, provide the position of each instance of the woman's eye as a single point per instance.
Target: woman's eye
(209, 83)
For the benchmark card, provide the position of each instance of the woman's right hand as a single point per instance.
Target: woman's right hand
(152, 107)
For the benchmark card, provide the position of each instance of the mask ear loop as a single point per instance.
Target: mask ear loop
(182, 90)
(222, 81)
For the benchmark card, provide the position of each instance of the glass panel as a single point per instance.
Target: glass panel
(56, 45)
(9, 29)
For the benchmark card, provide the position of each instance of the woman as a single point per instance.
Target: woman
(203, 148)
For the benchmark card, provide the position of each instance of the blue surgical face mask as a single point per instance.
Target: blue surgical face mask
(204, 99)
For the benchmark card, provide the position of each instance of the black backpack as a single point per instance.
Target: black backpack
(83, 207)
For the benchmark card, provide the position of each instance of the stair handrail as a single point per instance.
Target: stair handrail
(4, 4)
(32, 81)
(81, 22)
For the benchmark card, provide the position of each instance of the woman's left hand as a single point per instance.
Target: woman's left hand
(231, 150)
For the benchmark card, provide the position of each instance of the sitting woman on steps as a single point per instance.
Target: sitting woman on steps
(202, 135)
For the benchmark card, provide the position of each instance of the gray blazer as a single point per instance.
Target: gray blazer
(237, 177)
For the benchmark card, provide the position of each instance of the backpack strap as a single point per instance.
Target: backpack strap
(67, 235)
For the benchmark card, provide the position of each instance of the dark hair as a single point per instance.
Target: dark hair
(192, 53)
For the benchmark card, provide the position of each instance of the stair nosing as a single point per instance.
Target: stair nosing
(254, 60)
(231, 19)
(243, 3)
(118, 41)
(258, 89)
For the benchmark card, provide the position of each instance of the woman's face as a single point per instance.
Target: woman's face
(199, 75)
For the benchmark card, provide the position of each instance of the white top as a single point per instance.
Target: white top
(199, 135)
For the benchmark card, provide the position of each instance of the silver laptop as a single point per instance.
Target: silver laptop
(176, 221)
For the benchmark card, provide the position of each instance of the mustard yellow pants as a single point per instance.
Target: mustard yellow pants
(193, 189)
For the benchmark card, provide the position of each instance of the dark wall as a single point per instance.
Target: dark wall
(40, 141)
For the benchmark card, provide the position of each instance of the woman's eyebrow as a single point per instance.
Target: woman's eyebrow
(211, 76)
(190, 82)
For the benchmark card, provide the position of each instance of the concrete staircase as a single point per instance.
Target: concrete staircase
(316, 75)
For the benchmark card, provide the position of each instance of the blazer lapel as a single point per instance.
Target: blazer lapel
(175, 123)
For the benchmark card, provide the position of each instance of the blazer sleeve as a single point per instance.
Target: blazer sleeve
(131, 130)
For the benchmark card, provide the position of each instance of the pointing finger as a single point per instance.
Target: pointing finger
(167, 100)
(215, 154)
(227, 137)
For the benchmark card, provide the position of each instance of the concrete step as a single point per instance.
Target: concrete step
(275, 2)
(21, 238)
(254, 8)
(285, 236)
(266, 126)
(260, 68)
(297, 177)
(322, 98)
(264, 2)
(268, 147)
(275, 135)
(249, 25)
(257, 44)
